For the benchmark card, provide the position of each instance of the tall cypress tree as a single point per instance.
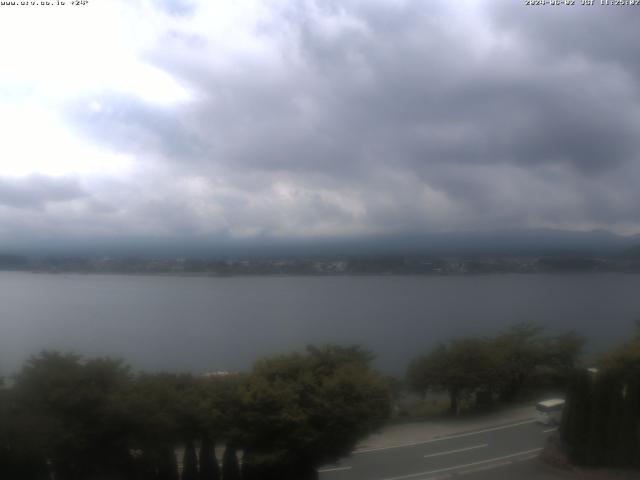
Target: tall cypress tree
(603, 403)
(629, 434)
(574, 429)
(190, 462)
(601, 423)
(635, 422)
(614, 418)
(230, 467)
(168, 467)
(209, 468)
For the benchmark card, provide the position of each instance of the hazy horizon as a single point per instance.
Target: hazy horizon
(527, 242)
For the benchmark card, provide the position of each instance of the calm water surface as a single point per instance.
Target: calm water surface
(201, 324)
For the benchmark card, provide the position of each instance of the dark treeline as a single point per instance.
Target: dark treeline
(379, 264)
(601, 421)
(483, 369)
(67, 418)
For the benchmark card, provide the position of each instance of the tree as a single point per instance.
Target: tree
(70, 404)
(560, 355)
(461, 367)
(208, 463)
(230, 467)
(304, 410)
(517, 352)
(503, 364)
(601, 423)
(605, 419)
(166, 466)
(167, 411)
(219, 405)
(220, 401)
(629, 435)
(623, 364)
(625, 359)
(190, 462)
(420, 377)
(22, 455)
(574, 427)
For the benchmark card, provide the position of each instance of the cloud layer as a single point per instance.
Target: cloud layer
(338, 118)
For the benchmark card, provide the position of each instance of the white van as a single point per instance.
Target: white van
(549, 412)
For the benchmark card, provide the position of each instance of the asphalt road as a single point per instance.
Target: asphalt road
(508, 451)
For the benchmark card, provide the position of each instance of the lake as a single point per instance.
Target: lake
(201, 324)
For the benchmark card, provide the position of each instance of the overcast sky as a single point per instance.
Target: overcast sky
(315, 119)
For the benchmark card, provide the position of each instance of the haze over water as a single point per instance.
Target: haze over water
(201, 324)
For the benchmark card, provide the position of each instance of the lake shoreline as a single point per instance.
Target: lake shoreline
(318, 275)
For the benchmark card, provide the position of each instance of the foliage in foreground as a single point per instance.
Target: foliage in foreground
(306, 410)
(84, 420)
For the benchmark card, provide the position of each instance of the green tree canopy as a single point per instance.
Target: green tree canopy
(624, 359)
(502, 364)
(517, 352)
(460, 367)
(305, 409)
(67, 405)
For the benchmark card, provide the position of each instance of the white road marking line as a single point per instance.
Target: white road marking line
(494, 465)
(524, 459)
(456, 467)
(549, 430)
(484, 468)
(335, 469)
(456, 451)
(459, 435)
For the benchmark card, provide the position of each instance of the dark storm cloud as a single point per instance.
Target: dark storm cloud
(415, 115)
(37, 190)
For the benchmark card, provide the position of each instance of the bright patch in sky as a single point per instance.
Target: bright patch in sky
(63, 52)
(49, 56)
(34, 141)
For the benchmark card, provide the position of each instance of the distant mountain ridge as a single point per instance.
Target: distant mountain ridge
(524, 242)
